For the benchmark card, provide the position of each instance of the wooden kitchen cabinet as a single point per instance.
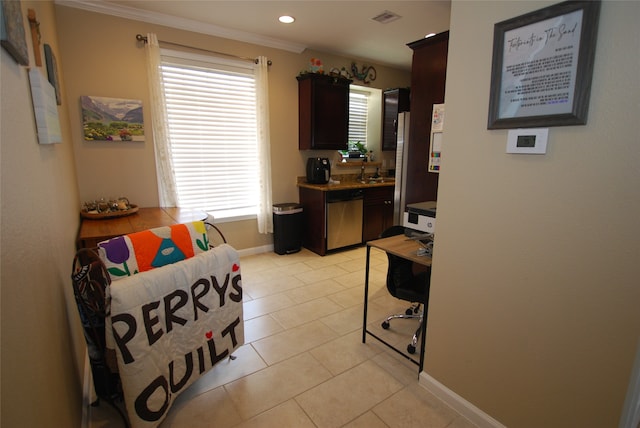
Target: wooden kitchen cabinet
(378, 212)
(323, 112)
(394, 101)
(428, 73)
(314, 235)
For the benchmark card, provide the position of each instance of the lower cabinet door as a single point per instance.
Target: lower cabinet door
(378, 212)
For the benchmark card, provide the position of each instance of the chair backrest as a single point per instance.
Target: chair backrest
(401, 281)
(392, 231)
(90, 281)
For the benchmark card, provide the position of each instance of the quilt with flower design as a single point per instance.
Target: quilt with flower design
(142, 251)
(171, 324)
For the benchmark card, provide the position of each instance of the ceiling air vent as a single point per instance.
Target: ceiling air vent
(386, 17)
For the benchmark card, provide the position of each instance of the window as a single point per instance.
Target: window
(211, 109)
(358, 112)
(365, 112)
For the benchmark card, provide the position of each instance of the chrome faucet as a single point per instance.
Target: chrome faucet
(362, 173)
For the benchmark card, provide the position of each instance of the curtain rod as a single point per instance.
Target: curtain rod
(141, 38)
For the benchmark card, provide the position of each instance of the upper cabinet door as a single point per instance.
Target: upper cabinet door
(323, 110)
(394, 101)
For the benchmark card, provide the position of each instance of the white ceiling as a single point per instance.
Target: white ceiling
(340, 27)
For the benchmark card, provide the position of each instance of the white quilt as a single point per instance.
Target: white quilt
(171, 325)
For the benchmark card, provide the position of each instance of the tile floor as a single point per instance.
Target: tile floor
(303, 363)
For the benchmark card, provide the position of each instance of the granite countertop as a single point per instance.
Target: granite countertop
(347, 181)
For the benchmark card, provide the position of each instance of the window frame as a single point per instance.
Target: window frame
(170, 57)
(374, 116)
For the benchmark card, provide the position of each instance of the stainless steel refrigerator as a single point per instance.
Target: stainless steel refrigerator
(402, 145)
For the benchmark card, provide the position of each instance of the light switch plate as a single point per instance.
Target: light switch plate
(532, 141)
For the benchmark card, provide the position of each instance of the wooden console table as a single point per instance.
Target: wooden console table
(93, 231)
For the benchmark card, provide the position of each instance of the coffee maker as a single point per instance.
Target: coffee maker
(318, 170)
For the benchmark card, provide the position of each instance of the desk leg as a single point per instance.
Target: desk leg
(423, 339)
(424, 336)
(366, 295)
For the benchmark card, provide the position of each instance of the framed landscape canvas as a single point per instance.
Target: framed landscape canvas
(112, 119)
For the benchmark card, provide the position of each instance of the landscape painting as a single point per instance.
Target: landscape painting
(112, 119)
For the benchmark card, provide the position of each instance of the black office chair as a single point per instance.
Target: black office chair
(403, 284)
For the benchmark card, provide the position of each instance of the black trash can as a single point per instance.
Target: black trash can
(287, 228)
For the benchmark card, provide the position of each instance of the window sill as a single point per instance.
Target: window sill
(356, 164)
(219, 218)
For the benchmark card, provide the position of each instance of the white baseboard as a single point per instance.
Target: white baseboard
(86, 393)
(459, 404)
(255, 250)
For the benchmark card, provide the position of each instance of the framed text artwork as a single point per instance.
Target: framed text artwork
(43, 96)
(542, 67)
(12, 35)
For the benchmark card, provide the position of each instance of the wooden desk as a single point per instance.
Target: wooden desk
(93, 231)
(406, 248)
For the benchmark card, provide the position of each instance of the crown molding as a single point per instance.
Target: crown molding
(181, 24)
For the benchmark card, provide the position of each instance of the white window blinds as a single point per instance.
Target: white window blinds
(211, 109)
(358, 111)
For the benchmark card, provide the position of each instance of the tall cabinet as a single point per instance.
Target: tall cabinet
(428, 73)
(394, 101)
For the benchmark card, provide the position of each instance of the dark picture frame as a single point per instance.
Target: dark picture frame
(52, 71)
(12, 34)
(542, 67)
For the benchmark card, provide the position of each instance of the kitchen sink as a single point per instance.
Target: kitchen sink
(373, 180)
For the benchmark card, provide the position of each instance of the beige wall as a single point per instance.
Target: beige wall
(101, 57)
(42, 345)
(534, 312)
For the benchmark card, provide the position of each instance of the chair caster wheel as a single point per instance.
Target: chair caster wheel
(385, 324)
(411, 349)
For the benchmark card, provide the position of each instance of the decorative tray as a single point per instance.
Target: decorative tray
(109, 214)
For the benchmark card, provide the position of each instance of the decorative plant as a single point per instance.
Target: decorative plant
(357, 146)
(315, 66)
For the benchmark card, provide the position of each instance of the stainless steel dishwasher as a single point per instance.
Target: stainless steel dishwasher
(344, 218)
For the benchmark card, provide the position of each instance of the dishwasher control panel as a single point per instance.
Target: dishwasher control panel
(344, 195)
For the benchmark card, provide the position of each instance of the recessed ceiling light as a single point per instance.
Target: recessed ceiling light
(286, 19)
(429, 35)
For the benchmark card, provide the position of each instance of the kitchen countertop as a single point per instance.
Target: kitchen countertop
(346, 183)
